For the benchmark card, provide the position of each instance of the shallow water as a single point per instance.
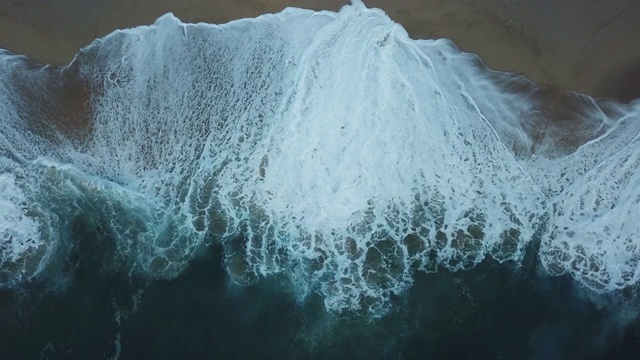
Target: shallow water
(311, 184)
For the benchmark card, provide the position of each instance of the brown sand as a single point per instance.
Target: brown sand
(589, 46)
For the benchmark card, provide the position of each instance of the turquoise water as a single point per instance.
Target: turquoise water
(310, 184)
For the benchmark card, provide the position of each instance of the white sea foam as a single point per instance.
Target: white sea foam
(333, 149)
(595, 233)
(20, 232)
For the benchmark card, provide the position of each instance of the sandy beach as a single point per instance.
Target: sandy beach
(586, 46)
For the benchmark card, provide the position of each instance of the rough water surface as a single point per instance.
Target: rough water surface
(326, 152)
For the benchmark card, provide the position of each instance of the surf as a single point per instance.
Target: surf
(326, 147)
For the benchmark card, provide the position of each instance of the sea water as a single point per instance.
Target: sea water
(370, 178)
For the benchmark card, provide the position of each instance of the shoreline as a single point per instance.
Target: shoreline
(573, 45)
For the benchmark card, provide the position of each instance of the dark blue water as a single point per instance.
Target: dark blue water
(491, 312)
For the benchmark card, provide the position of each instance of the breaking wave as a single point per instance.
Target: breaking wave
(327, 147)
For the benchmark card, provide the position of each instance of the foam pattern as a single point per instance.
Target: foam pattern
(595, 231)
(327, 147)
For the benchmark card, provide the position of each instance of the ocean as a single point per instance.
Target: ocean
(311, 185)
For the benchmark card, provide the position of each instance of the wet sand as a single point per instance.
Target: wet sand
(586, 46)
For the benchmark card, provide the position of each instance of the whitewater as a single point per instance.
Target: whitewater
(326, 147)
